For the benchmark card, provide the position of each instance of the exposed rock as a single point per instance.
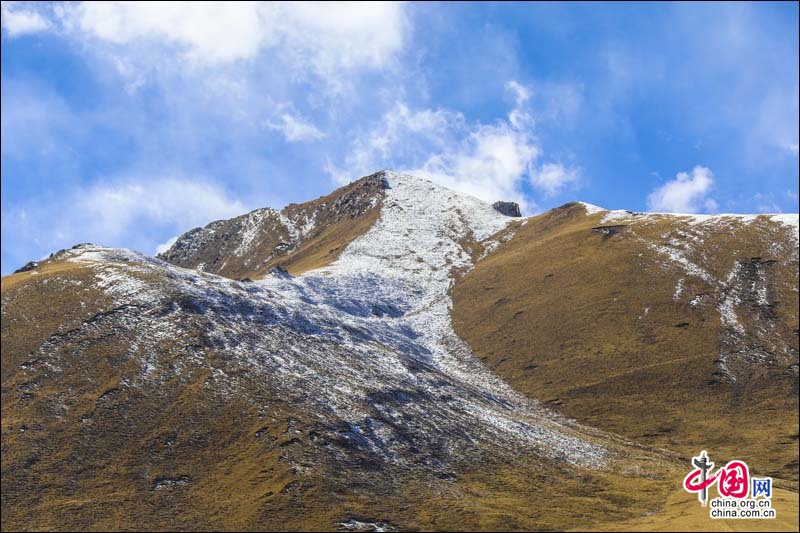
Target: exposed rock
(509, 209)
(278, 270)
(609, 231)
(31, 265)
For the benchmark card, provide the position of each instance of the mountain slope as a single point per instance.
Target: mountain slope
(684, 327)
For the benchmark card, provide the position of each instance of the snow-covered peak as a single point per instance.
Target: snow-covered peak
(402, 270)
(415, 249)
(422, 223)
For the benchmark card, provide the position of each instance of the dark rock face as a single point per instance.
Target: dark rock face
(509, 209)
(609, 231)
(27, 266)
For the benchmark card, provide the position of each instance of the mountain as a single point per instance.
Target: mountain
(397, 355)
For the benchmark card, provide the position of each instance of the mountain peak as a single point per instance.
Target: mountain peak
(313, 234)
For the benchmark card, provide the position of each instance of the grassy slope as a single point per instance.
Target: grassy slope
(83, 450)
(559, 312)
(325, 245)
(341, 217)
(682, 512)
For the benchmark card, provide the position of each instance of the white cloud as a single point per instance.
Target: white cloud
(552, 178)
(110, 210)
(489, 164)
(401, 134)
(489, 161)
(208, 32)
(324, 38)
(17, 21)
(340, 35)
(133, 213)
(296, 129)
(521, 93)
(685, 194)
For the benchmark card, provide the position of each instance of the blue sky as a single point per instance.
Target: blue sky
(128, 124)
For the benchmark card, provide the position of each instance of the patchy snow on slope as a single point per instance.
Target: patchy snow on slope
(726, 219)
(678, 256)
(618, 215)
(791, 220)
(367, 340)
(252, 229)
(358, 525)
(402, 268)
(741, 295)
(678, 290)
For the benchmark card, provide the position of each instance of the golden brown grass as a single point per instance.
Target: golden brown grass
(682, 512)
(589, 325)
(45, 269)
(325, 247)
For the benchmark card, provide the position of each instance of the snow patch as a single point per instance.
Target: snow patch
(592, 209)
(678, 290)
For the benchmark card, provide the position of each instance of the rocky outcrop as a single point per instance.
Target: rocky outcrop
(509, 209)
(30, 265)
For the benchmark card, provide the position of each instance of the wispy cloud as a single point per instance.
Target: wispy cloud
(130, 212)
(325, 38)
(164, 246)
(489, 161)
(18, 20)
(295, 129)
(765, 203)
(552, 178)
